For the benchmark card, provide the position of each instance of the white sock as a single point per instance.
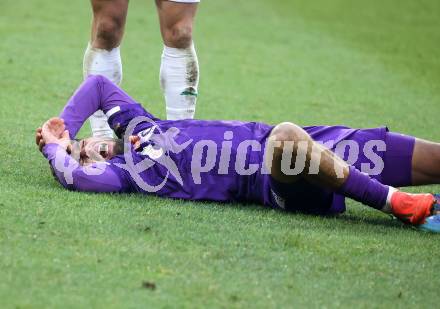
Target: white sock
(179, 78)
(106, 63)
(387, 207)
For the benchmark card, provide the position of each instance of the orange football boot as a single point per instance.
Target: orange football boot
(412, 208)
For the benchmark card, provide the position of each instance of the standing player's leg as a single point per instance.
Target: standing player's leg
(329, 171)
(179, 71)
(102, 56)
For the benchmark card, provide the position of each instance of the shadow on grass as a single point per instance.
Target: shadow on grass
(341, 222)
(384, 222)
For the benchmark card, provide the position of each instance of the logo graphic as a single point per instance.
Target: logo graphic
(155, 149)
(281, 202)
(158, 148)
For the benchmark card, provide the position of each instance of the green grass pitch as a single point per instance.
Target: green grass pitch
(359, 63)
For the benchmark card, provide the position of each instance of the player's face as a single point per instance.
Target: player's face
(93, 149)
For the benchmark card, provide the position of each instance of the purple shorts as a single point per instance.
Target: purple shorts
(396, 157)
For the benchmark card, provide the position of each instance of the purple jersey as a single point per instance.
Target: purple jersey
(176, 140)
(186, 159)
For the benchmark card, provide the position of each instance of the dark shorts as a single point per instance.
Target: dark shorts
(304, 197)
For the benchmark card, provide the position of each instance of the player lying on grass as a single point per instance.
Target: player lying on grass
(283, 166)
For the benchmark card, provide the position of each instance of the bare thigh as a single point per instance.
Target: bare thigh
(426, 163)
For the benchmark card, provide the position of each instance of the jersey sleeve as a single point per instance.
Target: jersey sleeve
(97, 177)
(98, 93)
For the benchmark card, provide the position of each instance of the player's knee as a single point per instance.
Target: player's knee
(286, 132)
(178, 35)
(109, 32)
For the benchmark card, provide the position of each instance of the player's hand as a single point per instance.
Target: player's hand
(39, 139)
(135, 141)
(54, 132)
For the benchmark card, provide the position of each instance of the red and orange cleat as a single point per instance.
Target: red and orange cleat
(417, 209)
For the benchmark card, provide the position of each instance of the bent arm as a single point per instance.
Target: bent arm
(98, 177)
(98, 93)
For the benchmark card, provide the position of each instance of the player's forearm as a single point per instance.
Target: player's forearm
(84, 102)
(95, 93)
(97, 177)
(98, 93)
